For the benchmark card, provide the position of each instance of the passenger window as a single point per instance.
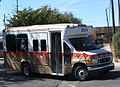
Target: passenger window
(35, 45)
(22, 42)
(11, 43)
(67, 54)
(43, 45)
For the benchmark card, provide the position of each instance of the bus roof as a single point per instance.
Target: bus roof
(39, 27)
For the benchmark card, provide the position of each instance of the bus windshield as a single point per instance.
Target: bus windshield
(83, 44)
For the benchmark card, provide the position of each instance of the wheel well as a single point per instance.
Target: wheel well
(24, 62)
(78, 64)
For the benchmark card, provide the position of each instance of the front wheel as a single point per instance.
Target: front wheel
(81, 73)
(26, 70)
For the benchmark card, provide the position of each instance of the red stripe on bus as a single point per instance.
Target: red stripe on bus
(46, 54)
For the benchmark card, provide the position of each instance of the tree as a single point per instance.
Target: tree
(116, 44)
(43, 15)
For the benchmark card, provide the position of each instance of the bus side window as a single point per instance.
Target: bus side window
(67, 54)
(22, 43)
(11, 43)
(35, 45)
(43, 45)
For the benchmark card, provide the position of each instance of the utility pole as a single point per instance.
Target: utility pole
(107, 19)
(119, 12)
(4, 20)
(107, 24)
(113, 19)
(17, 6)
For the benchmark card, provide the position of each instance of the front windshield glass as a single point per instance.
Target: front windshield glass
(83, 44)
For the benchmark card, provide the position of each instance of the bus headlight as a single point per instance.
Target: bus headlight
(95, 61)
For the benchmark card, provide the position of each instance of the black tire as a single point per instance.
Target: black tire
(26, 70)
(81, 73)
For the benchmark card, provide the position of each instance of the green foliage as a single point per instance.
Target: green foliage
(43, 15)
(116, 44)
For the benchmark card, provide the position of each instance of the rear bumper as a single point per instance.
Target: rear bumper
(103, 68)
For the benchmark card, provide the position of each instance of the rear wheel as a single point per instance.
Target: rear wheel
(26, 70)
(81, 73)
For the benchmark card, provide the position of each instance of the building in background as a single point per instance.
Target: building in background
(104, 33)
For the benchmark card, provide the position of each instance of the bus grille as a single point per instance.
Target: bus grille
(104, 60)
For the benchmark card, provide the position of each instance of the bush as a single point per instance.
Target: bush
(116, 44)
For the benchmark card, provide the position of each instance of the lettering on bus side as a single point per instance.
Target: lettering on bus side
(84, 30)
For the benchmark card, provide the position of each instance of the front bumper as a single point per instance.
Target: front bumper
(101, 68)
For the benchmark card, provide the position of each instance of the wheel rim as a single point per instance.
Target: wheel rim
(82, 74)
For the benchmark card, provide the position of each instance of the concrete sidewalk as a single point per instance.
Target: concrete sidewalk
(107, 47)
(117, 64)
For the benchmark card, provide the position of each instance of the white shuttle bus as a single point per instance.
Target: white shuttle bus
(56, 49)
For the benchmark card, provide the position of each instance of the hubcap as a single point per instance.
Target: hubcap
(82, 74)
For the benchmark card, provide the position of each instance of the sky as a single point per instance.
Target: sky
(92, 12)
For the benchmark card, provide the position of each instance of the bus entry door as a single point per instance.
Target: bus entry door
(56, 53)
